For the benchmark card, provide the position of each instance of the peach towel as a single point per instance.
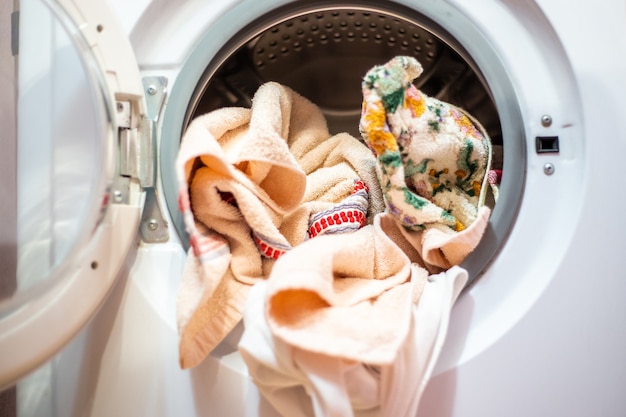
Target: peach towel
(254, 183)
(301, 383)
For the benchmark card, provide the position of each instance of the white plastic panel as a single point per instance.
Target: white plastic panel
(75, 66)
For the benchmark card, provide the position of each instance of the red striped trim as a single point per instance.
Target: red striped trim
(267, 250)
(355, 217)
(360, 185)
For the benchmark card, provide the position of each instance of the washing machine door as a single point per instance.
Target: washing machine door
(77, 165)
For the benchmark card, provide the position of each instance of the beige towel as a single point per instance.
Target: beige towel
(299, 381)
(354, 320)
(346, 296)
(253, 184)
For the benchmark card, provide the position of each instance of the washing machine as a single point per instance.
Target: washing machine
(94, 245)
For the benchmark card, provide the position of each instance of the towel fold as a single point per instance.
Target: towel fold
(346, 296)
(301, 383)
(254, 183)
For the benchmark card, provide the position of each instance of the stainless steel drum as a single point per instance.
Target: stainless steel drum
(323, 54)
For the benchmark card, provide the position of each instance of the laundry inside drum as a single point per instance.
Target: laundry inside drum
(323, 55)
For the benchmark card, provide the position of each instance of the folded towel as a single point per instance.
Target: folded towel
(301, 383)
(433, 159)
(253, 184)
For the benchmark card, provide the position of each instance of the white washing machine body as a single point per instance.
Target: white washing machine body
(537, 333)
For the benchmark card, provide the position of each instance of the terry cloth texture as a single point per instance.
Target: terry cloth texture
(254, 183)
(300, 383)
(352, 299)
(433, 162)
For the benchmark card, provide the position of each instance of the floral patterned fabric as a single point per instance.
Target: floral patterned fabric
(433, 157)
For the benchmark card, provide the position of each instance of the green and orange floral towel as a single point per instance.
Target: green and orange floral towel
(433, 161)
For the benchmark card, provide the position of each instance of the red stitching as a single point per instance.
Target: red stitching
(360, 185)
(267, 250)
(353, 216)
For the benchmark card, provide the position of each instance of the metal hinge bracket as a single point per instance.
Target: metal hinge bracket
(136, 146)
(154, 227)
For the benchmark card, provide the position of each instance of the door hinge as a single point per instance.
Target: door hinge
(136, 146)
(138, 156)
(154, 227)
(137, 153)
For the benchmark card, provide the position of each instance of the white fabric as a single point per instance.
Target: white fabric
(403, 383)
(299, 383)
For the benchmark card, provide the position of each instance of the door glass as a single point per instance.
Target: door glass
(62, 155)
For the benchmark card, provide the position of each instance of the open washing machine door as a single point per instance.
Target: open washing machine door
(83, 160)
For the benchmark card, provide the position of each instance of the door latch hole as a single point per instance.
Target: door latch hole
(547, 144)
